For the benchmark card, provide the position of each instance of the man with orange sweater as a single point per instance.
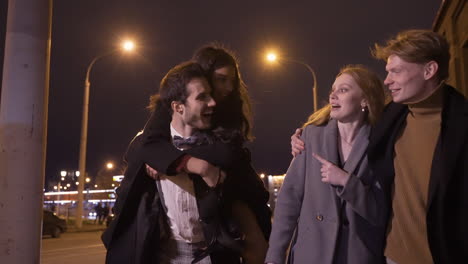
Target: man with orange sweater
(419, 150)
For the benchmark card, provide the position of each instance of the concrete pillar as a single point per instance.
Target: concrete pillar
(23, 129)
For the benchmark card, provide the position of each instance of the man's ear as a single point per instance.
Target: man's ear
(177, 107)
(430, 69)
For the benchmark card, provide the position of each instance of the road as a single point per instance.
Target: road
(73, 248)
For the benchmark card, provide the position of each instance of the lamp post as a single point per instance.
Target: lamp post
(272, 57)
(126, 46)
(104, 175)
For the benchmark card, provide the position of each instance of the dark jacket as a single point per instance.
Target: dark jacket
(447, 213)
(133, 236)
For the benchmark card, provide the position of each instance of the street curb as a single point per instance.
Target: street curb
(75, 230)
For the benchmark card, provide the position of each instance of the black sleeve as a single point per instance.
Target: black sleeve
(129, 195)
(130, 158)
(158, 151)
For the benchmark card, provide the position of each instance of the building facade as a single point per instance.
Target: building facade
(452, 22)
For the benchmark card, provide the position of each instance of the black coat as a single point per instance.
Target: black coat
(132, 237)
(447, 213)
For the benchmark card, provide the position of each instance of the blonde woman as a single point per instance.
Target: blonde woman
(330, 208)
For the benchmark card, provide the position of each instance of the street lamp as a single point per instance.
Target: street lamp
(126, 46)
(104, 176)
(110, 165)
(273, 57)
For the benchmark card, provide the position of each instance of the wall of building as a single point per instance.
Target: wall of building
(452, 22)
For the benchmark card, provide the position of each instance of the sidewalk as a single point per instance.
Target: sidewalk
(86, 228)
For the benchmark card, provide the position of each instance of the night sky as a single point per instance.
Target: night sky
(325, 34)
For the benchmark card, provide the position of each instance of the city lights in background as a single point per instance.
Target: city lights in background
(76, 192)
(66, 196)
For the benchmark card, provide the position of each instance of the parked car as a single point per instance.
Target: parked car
(52, 225)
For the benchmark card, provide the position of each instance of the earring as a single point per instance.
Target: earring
(363, 108)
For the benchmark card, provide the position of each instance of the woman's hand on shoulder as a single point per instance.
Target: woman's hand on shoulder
(297, 145)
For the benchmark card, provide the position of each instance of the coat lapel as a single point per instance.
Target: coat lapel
(384, 132)
(330, 144)
(453, 131)
(330, 147)
(358, 150)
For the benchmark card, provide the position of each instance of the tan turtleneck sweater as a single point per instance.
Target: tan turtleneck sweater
(414, 150)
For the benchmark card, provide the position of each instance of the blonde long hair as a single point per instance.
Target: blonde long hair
(372, 88)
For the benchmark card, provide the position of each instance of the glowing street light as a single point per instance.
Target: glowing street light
(110, 165)
(126, 46)
(273, 57)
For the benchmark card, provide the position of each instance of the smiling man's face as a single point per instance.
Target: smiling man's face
(405, 80)
(199, 106)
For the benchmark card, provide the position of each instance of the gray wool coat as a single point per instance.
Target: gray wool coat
(325, 223)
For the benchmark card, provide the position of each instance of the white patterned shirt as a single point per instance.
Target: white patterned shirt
(182, 212)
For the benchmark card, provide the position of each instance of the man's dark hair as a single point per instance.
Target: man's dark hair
(173, 86)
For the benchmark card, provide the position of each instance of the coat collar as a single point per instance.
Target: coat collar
(454, 128)
(453, 132)
(330, 147)
(384, 131)
(330, 142)
(330, 151)
(359, 149)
